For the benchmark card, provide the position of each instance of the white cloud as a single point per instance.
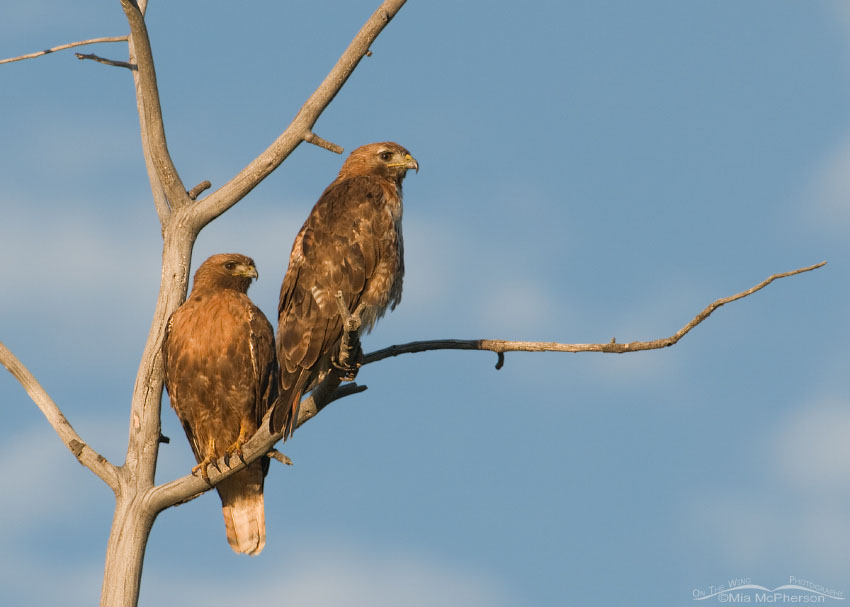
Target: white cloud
(53, 499)
(85, 259)
(319, 572)
(841, 10)
(431, 252)
(810, 450)
(521, 306)
(762, 529)
(66, 252)
(828, 194)
(34, 461)
(74, 583)
(826, 199)
(334, 574)
(796, 511)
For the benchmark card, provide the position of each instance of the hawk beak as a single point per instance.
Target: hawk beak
(410, 163)
(250, 272)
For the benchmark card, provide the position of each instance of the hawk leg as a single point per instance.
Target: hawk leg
(349, 358)
(209, 460)
(236, 447)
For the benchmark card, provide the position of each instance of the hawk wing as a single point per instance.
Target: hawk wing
(350, 243)
(264, 362)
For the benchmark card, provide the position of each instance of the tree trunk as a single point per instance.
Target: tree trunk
(125, 551)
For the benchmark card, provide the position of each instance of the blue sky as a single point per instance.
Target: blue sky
(588, 170)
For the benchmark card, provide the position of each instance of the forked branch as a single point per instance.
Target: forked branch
(501, 346)
(87, 456)
(189, 487)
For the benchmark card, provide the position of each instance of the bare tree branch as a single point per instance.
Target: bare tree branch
(329, 389)
(98, 59)
(300, 129)
(87, 456)
(62, 47)
(501, 346)
(187, 488)
(164, 167)
(163, 211)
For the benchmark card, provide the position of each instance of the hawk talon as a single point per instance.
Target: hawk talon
(209, 460)
(229, 454)
(347, 372)
(202, 467)
(236, 447)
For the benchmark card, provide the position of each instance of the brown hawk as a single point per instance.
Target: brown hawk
(221, 377)
(352, 243)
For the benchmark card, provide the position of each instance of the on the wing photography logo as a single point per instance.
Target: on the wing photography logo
(742, 590)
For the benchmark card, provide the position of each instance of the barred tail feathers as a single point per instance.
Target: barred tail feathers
(243, 508)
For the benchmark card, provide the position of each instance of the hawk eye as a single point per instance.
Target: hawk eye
(385, 155)
(230, 265)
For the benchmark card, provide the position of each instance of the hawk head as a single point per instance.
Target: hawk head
(387, 160)
(226, 271)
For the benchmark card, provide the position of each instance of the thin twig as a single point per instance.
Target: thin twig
(62, 47)
(196, 191)
(281, 457)
(311, 137)
(500, 346)
(104, 61)
(87, 456)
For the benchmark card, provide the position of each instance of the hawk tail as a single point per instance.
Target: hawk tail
(243, 509)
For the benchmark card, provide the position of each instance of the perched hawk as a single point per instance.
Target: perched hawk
(221, 376)
(351, 242)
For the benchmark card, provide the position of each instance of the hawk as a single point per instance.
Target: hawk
(221, 376)
(350, 243)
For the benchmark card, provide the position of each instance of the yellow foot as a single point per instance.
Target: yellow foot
(209, 460)
(236, 447)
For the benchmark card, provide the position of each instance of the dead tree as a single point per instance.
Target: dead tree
(183, 214)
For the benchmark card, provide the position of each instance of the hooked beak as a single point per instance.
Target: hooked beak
(410, 163)
(249, 272)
